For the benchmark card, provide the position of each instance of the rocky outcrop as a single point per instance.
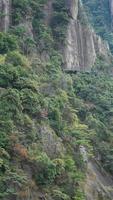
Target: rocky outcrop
(82, 47)
(72, 6)
(111, 11)
(5, 14)
(26, 24)
(48, 10)
(51, 143)
(82, 44)
(98, 184)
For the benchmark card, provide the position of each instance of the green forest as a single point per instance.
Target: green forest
(39, 102)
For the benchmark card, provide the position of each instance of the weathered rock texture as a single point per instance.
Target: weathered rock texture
(5, 6)
(72, 6)
(82, 44)
(51, 144)
(111, 10)
(98, 185)
(48, 10)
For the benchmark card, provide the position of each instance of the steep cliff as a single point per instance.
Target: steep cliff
(82, 47)
(52, 123)
(5, 13)
(111, 11)
(98, 185)
(82, 44)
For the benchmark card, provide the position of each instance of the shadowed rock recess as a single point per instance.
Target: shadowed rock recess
(56, 100)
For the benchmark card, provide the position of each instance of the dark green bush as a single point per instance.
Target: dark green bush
(6, 128)
(11, 76)
(60, 20)
(23, 7)
(46, 170)
(16, 59)
(30, 102)
(7, 43)
(10, 104)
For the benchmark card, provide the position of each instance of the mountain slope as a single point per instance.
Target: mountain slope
(50, 117)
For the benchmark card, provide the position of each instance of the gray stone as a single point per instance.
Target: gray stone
(51, 143)
(98, 184)
(82, 45)
(72, 6)
(111, 11)
(5, 7)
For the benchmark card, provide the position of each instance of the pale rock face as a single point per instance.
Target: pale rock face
(51, 143)
(83, 153)
(82, 45)
(5, 16)
(98, 184)
(72, 5)
(111, 9)
(79, 47)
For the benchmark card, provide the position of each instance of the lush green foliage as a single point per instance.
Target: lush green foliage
(47, 170)
(22, 8)
(34, 94)
(96, 91)
(7, 43)
(60, 20)
(26, 102)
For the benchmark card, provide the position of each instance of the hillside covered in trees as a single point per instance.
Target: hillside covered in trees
(48, 113)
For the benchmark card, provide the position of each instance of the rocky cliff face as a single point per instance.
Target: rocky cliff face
(111, 10)
(72, 5)
(4, 14)
(48, 9)
(98, 185)
(82, 44)
(80, 53)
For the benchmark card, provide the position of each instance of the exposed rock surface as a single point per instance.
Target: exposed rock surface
(5, 14)
(51, 144)
(82, 44)
(48, 9)
(82, 48)
(111, 10)
(98, 185)
(72, 5)
(26, 24)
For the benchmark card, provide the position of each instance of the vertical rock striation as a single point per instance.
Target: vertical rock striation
(82, 44)
(4, 14)
(111, 11)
